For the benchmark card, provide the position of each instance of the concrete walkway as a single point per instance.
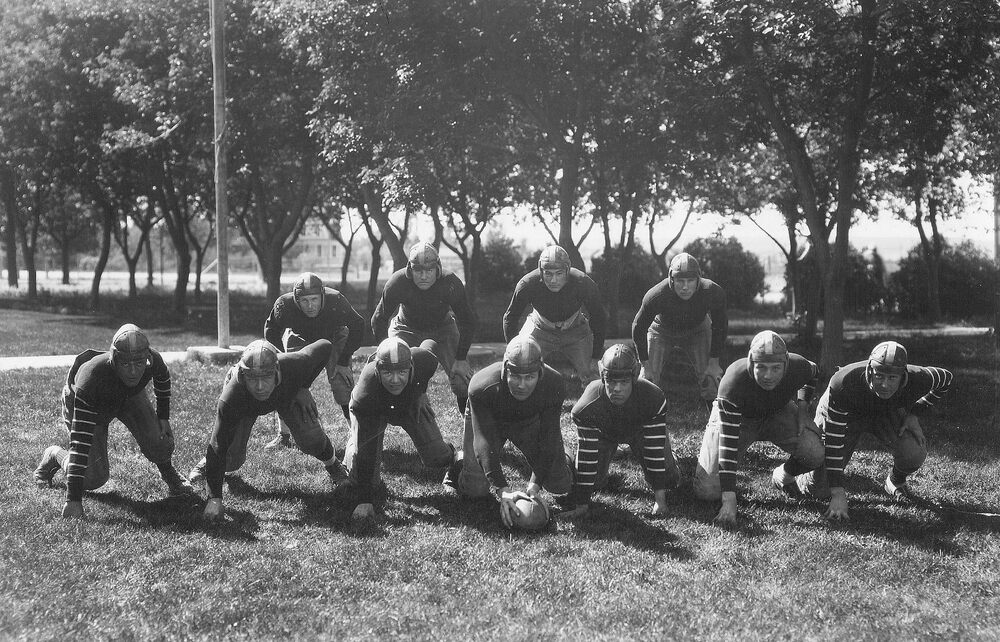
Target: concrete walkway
(480, 354)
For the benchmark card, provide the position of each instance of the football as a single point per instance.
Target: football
(534, 514)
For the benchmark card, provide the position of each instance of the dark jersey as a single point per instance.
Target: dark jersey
(850, 398)
(580, 293)
(297, 370)
(425, 309)
(597, 419)
(370, 399)
(740, 396)
(493, 408)
(336, 313)
(98, 396)
(677, 315)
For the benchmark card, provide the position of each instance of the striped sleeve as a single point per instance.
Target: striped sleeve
(586, 463)
(654, 449)
(730, 418)
(81, 437)
(835, 436)
(161, 385)
(806, 392)
(940, 384)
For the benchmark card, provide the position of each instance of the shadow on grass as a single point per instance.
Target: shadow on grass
(181, 514)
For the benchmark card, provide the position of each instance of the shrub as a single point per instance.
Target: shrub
(738, 271)
(502, 265)
(639, 275)
(968, 282)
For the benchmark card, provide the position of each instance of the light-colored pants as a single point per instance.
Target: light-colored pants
(695, 345)
(136, 414)
(781, 429)
(367, 441)
(546, 458)
(340, 388)
(907, 453)
(302, 419)
(575, 342)
(441, 341)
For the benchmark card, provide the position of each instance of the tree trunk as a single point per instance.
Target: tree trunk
(375, 208)
(270, 268)
(150, 268)
(345, 265)
(569, 156)
(64, 257)
(8, 201)
(102, 258)
(376, 257)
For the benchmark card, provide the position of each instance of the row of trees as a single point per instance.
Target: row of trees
(620, 116)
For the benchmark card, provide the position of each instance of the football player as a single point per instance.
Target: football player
(518, 399)
(312, 311)
(883, 396)
(621, 408)
(263, 381)
(102, 386)
(567, 314)
(392, 389)
(427, 307)
(764, 396)
(684, 311)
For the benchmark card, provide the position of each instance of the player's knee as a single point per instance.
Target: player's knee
(313, 442)
(96, 477)
(438, 457)
(910, 456)
(810, 452)
(673, 477)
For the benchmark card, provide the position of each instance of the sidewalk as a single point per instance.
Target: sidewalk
(480, 354)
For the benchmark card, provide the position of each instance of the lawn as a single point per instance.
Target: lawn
(289, 563)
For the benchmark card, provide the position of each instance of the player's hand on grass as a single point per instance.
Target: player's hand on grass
(659, 504)
(727, 513)
(508, 509)
(837, 511)
(214, 510)
(73, 510)
(363, 511)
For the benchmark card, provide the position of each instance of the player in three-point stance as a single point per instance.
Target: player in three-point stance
(312, 311)
(100, 387)
(392, 389)
(621, 408)
(765, 396)
(265, 381)
(567, 314)
(518, 399)
(684, 311)
(427, 307)
(883, 396)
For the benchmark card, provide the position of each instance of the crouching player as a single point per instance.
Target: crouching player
(518, 399)
(102, 386)
(310, 312)
(762, 397)
(882, 396)
(621, 408)
(264, 381)
(392, 389)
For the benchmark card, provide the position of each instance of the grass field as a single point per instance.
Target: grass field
(288, 562)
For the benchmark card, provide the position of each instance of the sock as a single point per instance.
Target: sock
(896, 477)
(347, 412)
(461, 403)
(61, 457)
(331, 461)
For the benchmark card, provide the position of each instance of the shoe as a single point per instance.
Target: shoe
(281, 441)
(197, 475)
(48, 467)
(785, 482)
(338, 472)
(897, 492)
(177, 486)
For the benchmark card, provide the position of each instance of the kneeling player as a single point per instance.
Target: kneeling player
(102, 386)
(392, 389)
(518, 399)
(764, 396)
(621, 408)
(262, 382)
(882, 396)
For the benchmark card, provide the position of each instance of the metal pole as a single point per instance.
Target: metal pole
(218, 26)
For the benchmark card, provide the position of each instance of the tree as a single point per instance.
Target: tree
(968, 280)
(726, 262)
(503, 266)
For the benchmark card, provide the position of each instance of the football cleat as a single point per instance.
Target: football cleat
(337, 471)
(897, 491)
(197, 475)
(281, 441)
(177, 486)
(784, 482)
(47, 468)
